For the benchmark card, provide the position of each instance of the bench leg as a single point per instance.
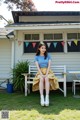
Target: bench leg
(74, 87)
(64, 89)
(25, 85)
(28, 88)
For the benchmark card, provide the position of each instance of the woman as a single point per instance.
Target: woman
(44, 78)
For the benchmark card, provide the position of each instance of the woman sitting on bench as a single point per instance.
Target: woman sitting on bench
(45, 78)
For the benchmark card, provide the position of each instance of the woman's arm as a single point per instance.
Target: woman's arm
(49, 65)
(37, 65)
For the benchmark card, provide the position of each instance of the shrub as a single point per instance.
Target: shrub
(18, 78)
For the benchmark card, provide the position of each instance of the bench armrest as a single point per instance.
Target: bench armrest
(27, 74)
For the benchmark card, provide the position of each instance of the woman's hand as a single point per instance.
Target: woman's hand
(46, 75)
(42, 75)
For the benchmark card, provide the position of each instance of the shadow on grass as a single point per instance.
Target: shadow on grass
(58, 102)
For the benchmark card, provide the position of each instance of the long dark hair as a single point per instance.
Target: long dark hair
(38, 51)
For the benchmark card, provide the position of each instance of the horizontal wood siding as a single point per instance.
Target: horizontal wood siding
(5, 57)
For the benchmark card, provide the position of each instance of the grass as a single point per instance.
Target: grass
(28, 108)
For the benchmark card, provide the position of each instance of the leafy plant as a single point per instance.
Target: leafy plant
(18, 78)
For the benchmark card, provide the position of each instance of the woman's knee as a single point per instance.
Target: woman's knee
(46, 79)
(41, 79)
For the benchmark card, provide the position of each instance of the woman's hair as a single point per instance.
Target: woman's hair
(38, 51)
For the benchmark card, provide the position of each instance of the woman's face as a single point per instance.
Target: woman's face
(42, 49)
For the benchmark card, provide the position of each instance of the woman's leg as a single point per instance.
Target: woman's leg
(41, 88)
(47, 85)
(41, 85)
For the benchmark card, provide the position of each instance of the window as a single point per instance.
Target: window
(78, 35)
(30, 47)
(54, 42)
(54, 46)
(73, 43)
(73, 47)
(31, 43)
(48, 36)
(35, 36)
(31, 36)
(27, 36)
(58, 36)
(72, 36)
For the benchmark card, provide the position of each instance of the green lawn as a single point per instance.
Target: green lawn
(28, 108)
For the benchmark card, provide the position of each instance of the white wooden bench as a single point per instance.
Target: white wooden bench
(75, 81)
(59, 71)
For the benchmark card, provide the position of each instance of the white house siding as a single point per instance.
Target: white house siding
(71, 60)
(5, 58)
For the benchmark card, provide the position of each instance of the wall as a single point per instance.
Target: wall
(5, 57)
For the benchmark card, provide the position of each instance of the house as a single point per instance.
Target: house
(60, 31)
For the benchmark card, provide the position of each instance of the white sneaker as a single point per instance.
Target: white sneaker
(42, 100)
(47, 100)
